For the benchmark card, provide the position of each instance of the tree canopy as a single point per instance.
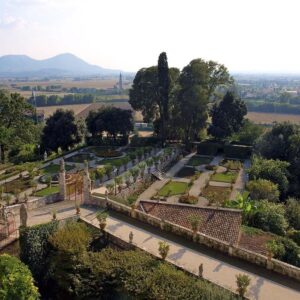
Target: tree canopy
(227, 116)
(16, 281)
(111, 120)
(62, 130)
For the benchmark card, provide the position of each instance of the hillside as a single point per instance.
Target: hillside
(60, 65)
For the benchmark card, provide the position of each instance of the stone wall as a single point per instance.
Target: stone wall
(234, 251)
(35, 203)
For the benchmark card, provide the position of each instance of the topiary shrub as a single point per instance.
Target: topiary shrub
(188, 199)
(237, 151)
(209, 148)
(16, 281)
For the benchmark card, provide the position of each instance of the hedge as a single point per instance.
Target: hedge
(209, 148)
(34, 247)
(237, 151)
(137, 141)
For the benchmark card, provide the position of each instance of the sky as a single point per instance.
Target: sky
(244, 35)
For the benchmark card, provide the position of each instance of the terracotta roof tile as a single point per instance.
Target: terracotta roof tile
(223, 224)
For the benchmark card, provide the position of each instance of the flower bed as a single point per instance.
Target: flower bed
(79, 158)
(198, 160)
(229, 177)
(105, 152)
(216, 194)
(186, 172)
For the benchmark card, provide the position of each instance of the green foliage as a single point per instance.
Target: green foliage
(229, 177)
(287, 250)
(73, 237)
(62, 131)
(274, 248)
(112, 120)
(295, 236)
(242, 282)
(249, 133)
(188, 199)
(34, 247)
(269, 216)
(208, 148)
(263, 189)
(194, 221)
(16, 281)
(293, 212)
(269, 169)
(173, 188)
(227, 116)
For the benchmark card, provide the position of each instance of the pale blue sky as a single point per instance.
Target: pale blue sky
(249, 35)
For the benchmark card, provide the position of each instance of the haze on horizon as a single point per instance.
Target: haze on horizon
(248, 36)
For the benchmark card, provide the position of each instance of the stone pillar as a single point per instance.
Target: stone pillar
(86, 184)
(62, 181)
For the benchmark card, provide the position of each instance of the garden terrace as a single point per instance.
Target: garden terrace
(223, 224)
(20, 184)
(216, 194)
(173, 188)
(198, 160)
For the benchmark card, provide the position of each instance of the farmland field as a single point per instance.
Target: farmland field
(49, 110)
(269, 118)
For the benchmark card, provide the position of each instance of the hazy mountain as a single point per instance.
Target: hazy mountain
(60, 65)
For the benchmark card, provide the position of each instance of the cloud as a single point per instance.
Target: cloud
(11, 22)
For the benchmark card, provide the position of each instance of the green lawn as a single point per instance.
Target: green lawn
(228, 177)
(47, 191)
(53, 169)
(199, 160)
(111, 161)
(173, 188)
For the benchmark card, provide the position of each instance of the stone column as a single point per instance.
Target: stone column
(23, 215)
(86, 184)
(62, 181)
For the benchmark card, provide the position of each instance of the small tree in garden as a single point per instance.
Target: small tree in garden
(194, 221)
(100, 173)
(49, 180)
(108, 170)
(135, 173)
(118, 164)
(242, 281)
(125, 160)
(142, 167)
(110, 187)
(149, 163)
(132, 156)
(127, 176)
(163, 249)
(118, 181)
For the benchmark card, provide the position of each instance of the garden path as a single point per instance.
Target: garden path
(241, 180)
(218, 268)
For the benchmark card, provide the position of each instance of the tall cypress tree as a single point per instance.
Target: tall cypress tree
(163, 91)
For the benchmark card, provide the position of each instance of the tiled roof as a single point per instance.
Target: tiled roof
(223, 224)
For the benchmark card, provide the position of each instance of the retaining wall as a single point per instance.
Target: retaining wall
(235, 251)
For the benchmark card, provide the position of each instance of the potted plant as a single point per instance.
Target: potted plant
(163, 249)
(54, 214)
(77, 206)
(242, 281)
(101, 217)
(194, 222)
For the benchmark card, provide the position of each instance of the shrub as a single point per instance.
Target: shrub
(269, 217)
(263, 189)
(189, 199)
(242, 281)
(293, 212)
(16, 281)
(295, 236)
(34, 247)
(194, 221)
(289, 251)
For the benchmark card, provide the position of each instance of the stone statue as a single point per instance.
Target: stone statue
(201, 270)
(23, 215)
(45, 155)
(130, 237)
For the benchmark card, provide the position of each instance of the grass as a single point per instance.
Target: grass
(228, 177)
(199, 160)
(111, 161)
(173, 188)
(47, 191)
(79, 158)
(105, 152)
(53, 169)
(216, 194)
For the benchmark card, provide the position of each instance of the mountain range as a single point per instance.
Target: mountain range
(61, 65)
